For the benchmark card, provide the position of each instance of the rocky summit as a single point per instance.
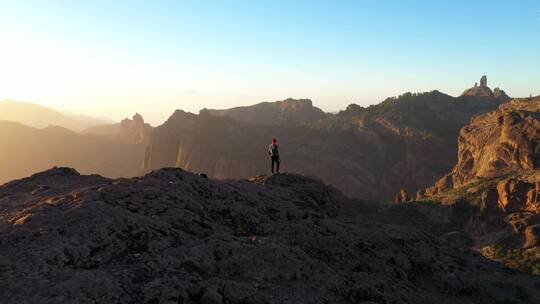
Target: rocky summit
(175, 237)
(484, 91)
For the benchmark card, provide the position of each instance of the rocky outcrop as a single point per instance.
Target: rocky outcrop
(175, 237)
(517, 196)
(402, 197)
(132, 131)
(499, 142)
(407, 141)
(498, 168)
(515, 202)
(532, 236)
(484, 91)
(483, 82)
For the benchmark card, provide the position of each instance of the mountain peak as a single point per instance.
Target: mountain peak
(484, 91)
(284, 112)
(297, 102)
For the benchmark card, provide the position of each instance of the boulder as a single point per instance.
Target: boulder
(532, 236)
(402, 197)
(515, 195)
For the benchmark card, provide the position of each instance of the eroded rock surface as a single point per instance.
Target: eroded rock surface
(175, 237)
(499, 142)
(498, 169)
(515, 195)
(402, 197)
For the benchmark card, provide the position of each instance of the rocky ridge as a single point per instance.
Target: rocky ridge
(284, 112)
(175, 237)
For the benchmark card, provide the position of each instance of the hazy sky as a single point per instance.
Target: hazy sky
(112, 58)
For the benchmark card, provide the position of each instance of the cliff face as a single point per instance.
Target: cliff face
(175, 237)
(498, 169)
(503, 141)
(366, 152)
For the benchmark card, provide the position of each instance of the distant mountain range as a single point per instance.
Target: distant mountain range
(25, 150)
(407, 141)
(368, 152)
(115, 150)
(37, 116)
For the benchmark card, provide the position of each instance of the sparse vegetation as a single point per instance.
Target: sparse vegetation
(526, 260)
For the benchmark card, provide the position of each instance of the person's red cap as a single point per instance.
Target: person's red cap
(274, 140)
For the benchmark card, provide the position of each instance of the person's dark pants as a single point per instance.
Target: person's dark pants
(275, 159)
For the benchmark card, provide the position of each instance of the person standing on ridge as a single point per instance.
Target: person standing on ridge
(274, 155)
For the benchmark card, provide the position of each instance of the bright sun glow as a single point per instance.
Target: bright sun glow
(113, 59)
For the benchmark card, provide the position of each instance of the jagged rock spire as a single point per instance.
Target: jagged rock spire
(483, 82)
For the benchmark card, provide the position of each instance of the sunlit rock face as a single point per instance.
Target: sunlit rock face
(498, 168)
(499, 142)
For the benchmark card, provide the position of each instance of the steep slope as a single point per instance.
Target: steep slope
(25, 150)
(503, 141)
(37, 116)
(175, 237)
(366, 152)
(498, 170)
(288, 111)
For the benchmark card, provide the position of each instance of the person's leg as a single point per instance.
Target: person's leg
(277, 162)
(272, 161)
